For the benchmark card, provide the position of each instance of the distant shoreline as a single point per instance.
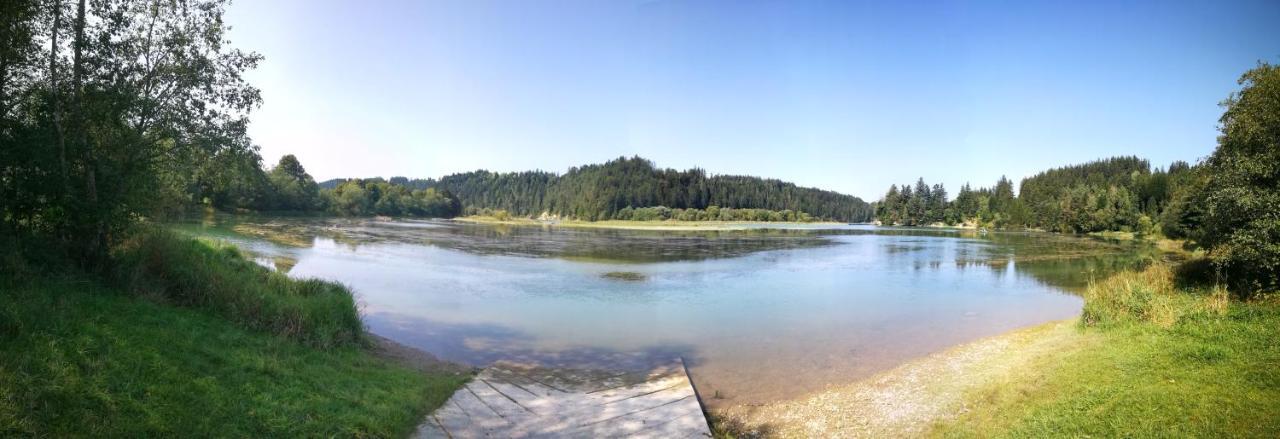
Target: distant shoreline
(644, 225)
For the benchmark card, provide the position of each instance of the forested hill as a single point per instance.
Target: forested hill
(600, 191)
(1119, 193)
(1100, 195)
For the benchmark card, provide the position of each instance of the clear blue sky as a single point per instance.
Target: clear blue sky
(841, 95)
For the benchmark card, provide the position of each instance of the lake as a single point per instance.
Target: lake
(759, 315)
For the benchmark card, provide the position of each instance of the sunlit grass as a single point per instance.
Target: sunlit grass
(214, 276)
(1173, 362)
(188, 338)
(1148, 296)
(80, 359)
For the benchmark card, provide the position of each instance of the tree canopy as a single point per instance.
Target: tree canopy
(1240, 220)
(292, 187)
(107, 105)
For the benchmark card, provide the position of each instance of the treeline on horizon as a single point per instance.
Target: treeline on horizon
(606, 191)
(621, 189)
(1114, 194)
(1227, 206)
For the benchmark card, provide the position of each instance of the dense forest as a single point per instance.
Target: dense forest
(1115, 194)
(605, 191)
(713, 213)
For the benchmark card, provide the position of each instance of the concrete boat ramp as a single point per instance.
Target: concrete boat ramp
(509, 400)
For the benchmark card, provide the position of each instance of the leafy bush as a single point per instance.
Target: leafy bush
(1241, 219)
(213, 276)
(375, 196)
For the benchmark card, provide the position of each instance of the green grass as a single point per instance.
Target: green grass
(216, 277)
(81, 359)
(188, 338)
(1149, 296)
(1172, 361)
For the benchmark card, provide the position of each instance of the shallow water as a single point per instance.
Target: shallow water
(758, 314)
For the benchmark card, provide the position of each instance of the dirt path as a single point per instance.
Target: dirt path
(908, 400)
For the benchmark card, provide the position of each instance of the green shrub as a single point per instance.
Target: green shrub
(1196, 271)
(1241, 220)
(214, 276)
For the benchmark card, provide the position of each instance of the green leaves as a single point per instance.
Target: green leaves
(1240, 222)
(126, 113)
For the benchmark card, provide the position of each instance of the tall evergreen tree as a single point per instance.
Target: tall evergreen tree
(938, 205)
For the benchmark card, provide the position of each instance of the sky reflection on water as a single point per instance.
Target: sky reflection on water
(759, 315)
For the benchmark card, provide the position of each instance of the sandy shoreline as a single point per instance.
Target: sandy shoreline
(908, 400)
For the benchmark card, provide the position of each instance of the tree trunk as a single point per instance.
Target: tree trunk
(4, 83)
(6, 38)
(57, 99)
(96, 245)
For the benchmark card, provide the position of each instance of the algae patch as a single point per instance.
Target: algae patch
(626, 276)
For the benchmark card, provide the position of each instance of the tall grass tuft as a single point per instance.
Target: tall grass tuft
(1148, 296)
(189, 272)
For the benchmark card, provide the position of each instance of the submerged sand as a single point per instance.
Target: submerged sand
(908, 400)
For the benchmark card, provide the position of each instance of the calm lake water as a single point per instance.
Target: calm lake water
(758, 315)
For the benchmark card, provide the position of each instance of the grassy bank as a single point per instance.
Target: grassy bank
(216, 277)
(193, 340)
(1173, 361)
(1149, 357)
(639, 225)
